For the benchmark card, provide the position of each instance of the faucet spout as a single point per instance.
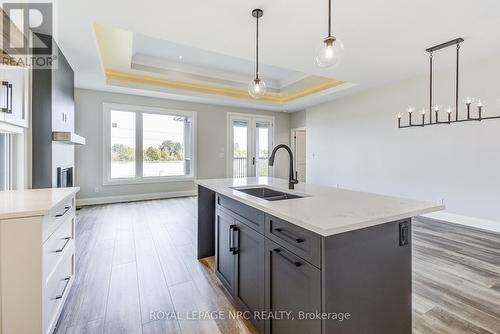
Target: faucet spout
(291, 179)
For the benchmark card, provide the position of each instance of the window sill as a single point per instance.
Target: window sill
(146, 180)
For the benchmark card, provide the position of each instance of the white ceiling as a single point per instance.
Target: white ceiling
(384, 39)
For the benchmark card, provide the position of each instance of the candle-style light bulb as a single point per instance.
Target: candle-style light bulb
(436, 107)
(468, 102)
(399, 115)
(423, 116)
(449, 111)
(480, 105)
(410, 110)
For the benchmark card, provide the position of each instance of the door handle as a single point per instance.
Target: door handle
(253, 161)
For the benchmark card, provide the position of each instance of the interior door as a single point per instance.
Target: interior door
(250, 143)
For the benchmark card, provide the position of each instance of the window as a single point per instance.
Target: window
(144, 144)
(122, 144)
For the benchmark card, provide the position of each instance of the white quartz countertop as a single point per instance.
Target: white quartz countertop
(32, 202)
(324, 210)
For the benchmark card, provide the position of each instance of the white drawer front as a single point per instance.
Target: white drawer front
(57, 245)
(56, 216)
(57, 288)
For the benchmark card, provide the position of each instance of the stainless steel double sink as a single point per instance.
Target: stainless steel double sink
(267, 193)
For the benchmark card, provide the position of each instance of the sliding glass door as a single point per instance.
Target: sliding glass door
(250, 141)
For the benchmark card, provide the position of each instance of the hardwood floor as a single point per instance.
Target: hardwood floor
(138, 258)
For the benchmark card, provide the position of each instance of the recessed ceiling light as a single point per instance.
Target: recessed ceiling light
(180, 58)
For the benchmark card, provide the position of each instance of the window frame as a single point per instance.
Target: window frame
(139, 150)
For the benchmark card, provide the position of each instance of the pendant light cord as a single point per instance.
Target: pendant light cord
(329, 18)
(257, 52)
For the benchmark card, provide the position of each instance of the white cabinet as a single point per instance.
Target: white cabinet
(37, 268)
(14, 95)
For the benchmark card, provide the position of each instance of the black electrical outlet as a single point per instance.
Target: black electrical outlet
(404, 233)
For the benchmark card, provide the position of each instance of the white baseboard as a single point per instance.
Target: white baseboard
(479, 223)
(134, 197)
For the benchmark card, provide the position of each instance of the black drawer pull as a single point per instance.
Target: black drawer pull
(289, 235)
(66, 209)
(64, 246)
(67, 279)
(231, 238)
(295, 263)
(9, 89)
(6, 84)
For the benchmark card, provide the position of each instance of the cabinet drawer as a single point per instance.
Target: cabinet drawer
(57, 216)
(292, 285)
(254, 216)
(56, 290)
(57, 245)
(302, 242)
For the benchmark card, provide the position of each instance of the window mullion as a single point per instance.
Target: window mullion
(139, 145)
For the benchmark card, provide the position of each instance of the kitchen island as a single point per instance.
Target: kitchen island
(311, 260)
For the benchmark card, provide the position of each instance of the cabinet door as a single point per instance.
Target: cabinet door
(249, 287)
(292, 285)
(224, 242)
(16, 94)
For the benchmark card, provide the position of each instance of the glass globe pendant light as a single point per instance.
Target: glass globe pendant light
(331, 49)
(257, 87)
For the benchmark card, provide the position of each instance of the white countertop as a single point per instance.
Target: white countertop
(32, 202)
(326, 210)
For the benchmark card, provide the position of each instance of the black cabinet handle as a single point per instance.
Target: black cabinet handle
(231, 238)
(289, 235)
(235, 247)
(9, 89)
(59, 296)
(64, 246)
(66, 209)
(295, 263)
(6, 84)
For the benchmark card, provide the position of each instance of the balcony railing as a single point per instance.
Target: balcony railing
(240, 166)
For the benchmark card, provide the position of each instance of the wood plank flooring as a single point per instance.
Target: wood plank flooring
(138, 258)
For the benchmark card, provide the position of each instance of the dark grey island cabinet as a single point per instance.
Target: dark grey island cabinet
(293, 280)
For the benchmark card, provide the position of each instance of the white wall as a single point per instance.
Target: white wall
(355, 142)
(211, 140)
